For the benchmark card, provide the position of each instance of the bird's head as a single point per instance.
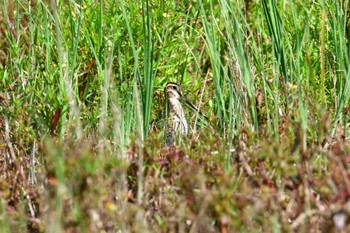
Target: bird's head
(173, 90)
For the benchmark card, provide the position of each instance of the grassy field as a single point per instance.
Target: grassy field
(82, 116)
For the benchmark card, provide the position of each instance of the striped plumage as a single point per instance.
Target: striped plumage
(177, 123)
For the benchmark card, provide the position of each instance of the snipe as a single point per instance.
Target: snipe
(177, 123)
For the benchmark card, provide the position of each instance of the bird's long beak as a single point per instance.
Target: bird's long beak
(193, 107)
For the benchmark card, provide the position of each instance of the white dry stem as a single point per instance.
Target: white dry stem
(32, 176)
(8, 141)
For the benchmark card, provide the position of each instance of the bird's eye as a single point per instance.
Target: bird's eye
(174, 87)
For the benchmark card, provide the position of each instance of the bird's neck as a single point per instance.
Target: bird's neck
(177, 120)
(175, 107)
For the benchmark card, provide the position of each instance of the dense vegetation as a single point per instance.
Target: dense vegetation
(82, 116)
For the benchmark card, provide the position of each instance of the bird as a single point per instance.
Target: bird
(177, 123)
